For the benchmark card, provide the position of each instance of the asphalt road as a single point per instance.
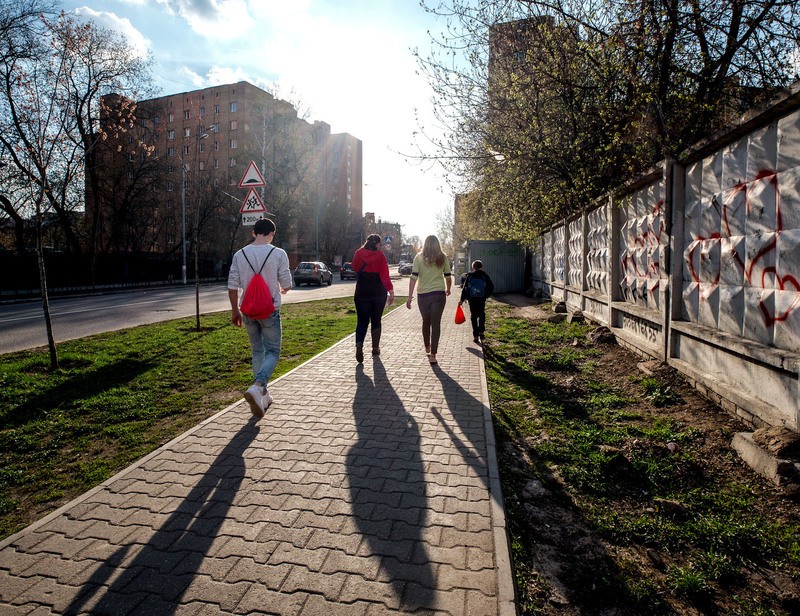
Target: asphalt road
(22, 325)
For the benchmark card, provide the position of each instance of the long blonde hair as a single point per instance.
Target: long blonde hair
(432, 251)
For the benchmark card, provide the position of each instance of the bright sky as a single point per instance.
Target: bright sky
(345, 62)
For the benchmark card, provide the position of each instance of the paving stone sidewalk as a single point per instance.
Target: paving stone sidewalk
(365, 490)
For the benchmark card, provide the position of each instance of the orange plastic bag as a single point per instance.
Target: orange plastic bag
(460, 318)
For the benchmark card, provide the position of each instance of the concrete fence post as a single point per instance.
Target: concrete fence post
(613, 252)
(677, 196)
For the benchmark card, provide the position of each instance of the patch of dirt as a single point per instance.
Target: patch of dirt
(567, 558)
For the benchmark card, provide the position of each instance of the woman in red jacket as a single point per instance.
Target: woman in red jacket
(372, 286)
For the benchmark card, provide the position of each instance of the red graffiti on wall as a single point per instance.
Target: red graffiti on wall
(653, 270)
(770, 176)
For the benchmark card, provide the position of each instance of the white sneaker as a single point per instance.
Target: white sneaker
(253, 397)
(266, 399)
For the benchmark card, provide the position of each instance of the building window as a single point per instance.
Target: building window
(233, 124)
(233, 144)
(234, 107)
(233, 162)
(169, 187)
(171, 117)
(185, 149)
(202, 147)
(156, 119)
(170, 134)
(215, 127)
(202, 165)
(170, 151)
(216, 181)
(216, 163)
(187, 132)
(216, 109)
(186, 114)
(156, 136)
(202, 112)
(216, 146)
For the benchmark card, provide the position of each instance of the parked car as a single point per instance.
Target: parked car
(404, 268)
(312, 272)
(347, 273)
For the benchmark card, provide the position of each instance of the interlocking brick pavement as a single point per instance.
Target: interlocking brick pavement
(365, 490)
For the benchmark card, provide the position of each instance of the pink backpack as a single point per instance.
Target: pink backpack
(257, 300)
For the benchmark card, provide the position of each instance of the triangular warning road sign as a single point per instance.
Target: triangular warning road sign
(252, 203)
(252, 177)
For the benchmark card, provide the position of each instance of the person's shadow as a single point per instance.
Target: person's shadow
(156, 578)
(468, 412)
(388, 491)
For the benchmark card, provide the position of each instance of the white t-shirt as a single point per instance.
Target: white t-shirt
(276, 272)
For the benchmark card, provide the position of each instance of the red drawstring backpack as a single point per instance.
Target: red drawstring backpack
(257, 300)
(460, 318)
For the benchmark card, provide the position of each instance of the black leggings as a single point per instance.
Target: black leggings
(369, 309)
(431, 307)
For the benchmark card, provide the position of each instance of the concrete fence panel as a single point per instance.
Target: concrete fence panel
(575, 258)
(596, 299)
(547, 252)
(698, 263)
(538, 285)
(738, 332)
(559, 256)
(638, 317)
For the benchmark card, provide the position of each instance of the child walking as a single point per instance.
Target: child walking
(476, 288)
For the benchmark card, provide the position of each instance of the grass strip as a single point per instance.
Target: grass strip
(607, 456)
(120, 395)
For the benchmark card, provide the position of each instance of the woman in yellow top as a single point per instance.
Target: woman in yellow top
(430, 274)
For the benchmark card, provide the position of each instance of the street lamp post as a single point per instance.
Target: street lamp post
(183, 220)
(200, 135)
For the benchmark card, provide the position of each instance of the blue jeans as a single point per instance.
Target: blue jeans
(265, 342)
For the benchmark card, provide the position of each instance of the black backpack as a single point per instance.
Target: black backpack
(476, 287)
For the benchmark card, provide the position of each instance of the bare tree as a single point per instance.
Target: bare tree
(52, 72)
(445, 227)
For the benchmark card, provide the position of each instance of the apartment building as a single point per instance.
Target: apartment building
(176, 171)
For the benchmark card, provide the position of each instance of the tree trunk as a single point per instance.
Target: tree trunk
(196, 282)
(51, 342)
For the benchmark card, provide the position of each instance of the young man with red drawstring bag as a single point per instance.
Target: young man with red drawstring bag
(259, 311)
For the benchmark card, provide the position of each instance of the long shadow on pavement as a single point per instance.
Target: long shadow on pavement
(160, 573)
(388, 491)
(468, 414)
